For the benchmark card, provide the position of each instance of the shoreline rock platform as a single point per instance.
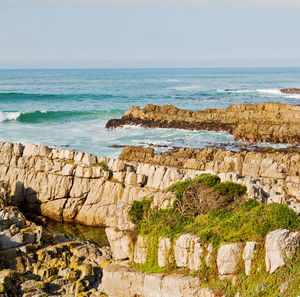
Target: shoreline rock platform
(77, 187)
(264, 122)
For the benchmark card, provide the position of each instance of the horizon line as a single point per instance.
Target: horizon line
(153, 68)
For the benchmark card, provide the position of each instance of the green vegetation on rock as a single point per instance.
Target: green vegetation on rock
(243, 221)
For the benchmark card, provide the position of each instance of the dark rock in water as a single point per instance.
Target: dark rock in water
(117, 146)
(290, 91)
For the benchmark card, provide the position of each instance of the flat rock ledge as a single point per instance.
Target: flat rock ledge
(121, 281)
(264, 122)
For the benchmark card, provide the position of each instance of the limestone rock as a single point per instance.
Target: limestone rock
(280, 243)
(121, 281)
(140, 250)
(248, 255)
(188, 251)
(120, 244)
(164, 246)
(264, 122)
(229, 256)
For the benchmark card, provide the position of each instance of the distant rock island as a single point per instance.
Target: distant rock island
(291, 91)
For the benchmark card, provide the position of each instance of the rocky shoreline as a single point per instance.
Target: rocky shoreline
(83, 188)
(264, 122)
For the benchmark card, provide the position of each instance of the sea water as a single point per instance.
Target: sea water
(69, 108)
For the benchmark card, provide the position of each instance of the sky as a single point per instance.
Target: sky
(149, 33)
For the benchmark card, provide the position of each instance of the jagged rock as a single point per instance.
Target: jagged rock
(4, 194)
(248, 255)
(56, 183)
(120, 243)
(264, 122)
(229, 256)
(280, 243)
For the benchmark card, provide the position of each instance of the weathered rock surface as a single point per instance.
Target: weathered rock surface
(248, 255)
(188, 251)
(280, 244)
(264, 122)
(67, 186)
(229, 257)
(270, 176)
(120, 243)
(122, 281)
(43, 264)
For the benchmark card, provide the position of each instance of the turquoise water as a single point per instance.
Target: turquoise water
(69, 108)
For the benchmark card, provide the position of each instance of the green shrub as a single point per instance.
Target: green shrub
(139, 210)
(230, 190)
(208, 180)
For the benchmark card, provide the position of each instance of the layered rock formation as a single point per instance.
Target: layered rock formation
(69, 186)
(187, 251)
(281, 246)
(264, 122)
(97, 191)
(122, 281)
(276, 171)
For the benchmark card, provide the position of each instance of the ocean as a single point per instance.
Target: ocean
(69, 108)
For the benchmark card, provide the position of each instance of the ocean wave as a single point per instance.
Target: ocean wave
(44, 116)
(172, 80)
(35, 96)
(271, 92)
(188, 88)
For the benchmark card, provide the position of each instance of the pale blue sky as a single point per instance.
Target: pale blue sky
(149, 33)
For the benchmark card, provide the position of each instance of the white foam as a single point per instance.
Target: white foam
(270, 91)
(9, 116)
(188, 88)
(172, 80)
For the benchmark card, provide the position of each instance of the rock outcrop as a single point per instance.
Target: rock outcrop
(291, 91)
(272, 174)
(34, 262)
(264, 122)
(97, 191)
(187, 251)
(280, 244)
(122, 281)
